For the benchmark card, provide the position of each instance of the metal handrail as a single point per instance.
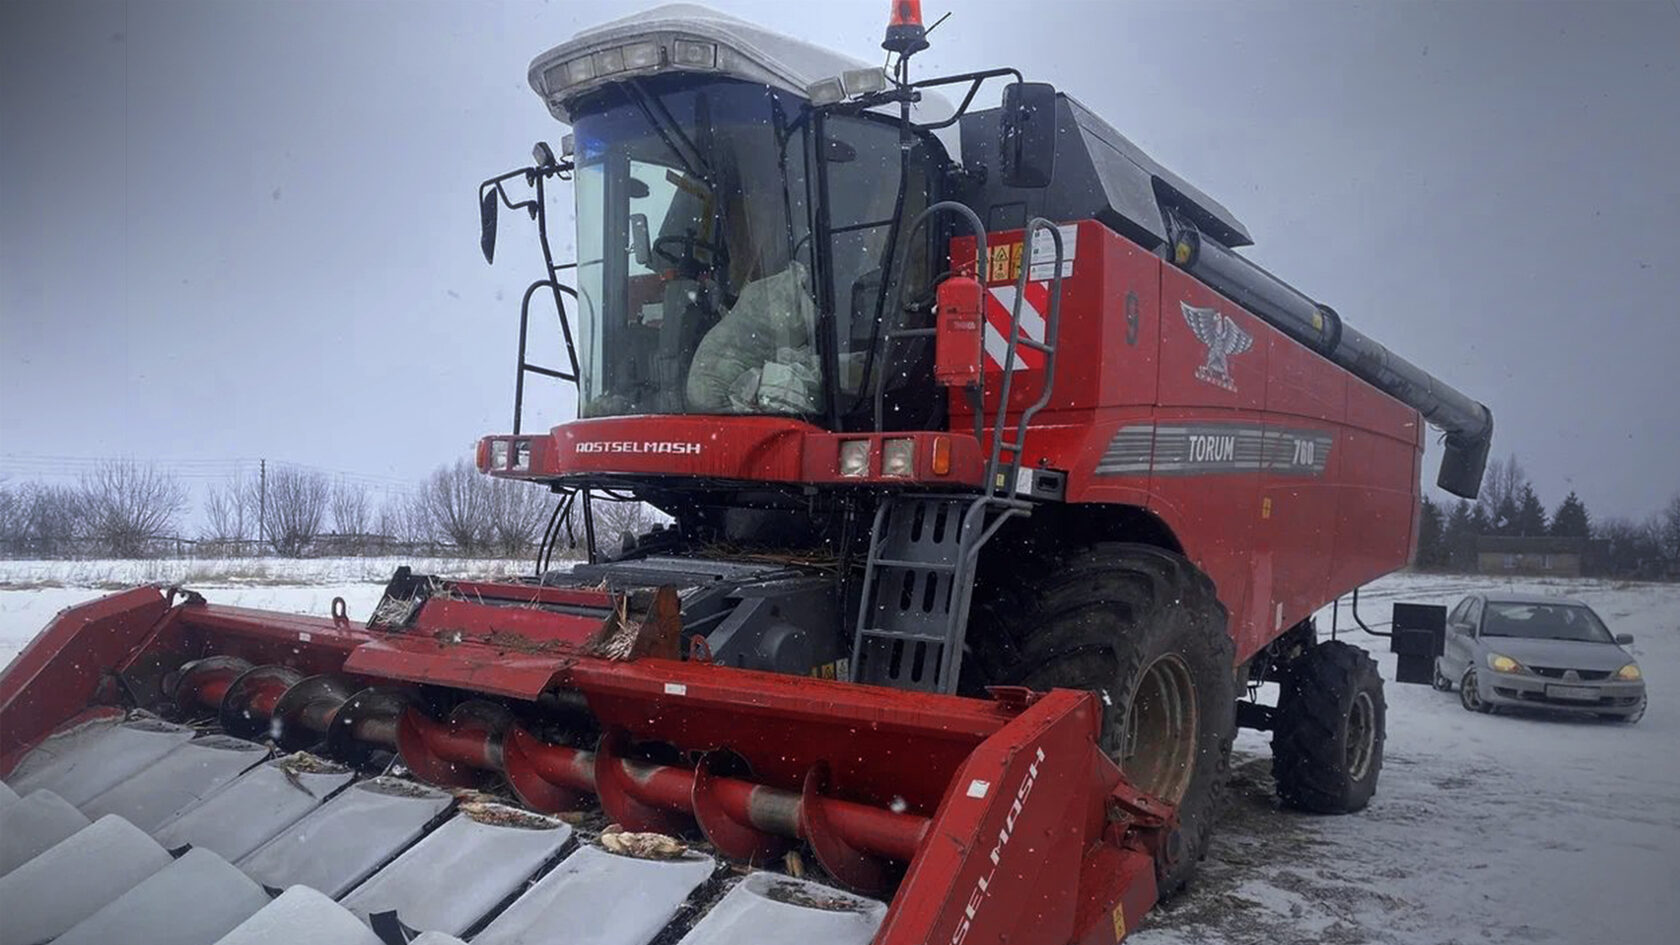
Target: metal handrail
(1052, 326)
(525, 366)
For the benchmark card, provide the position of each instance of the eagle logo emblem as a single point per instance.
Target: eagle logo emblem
(1225, 339)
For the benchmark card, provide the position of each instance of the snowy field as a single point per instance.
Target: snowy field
(1521, 829)
(1485, 828)
(31, 592)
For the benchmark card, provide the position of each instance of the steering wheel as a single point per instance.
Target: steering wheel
(686, 244)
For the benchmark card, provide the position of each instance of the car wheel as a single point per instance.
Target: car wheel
(1469, 696)
(1440, 682)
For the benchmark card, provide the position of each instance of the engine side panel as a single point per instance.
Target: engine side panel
(1287, 479)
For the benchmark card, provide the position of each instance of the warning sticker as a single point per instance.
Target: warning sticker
(1004, 260)
(1044, 253)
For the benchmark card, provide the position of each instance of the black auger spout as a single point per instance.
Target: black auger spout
(1467, 423)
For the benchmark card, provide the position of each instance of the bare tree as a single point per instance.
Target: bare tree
(55, 518)
(230, 512)
(1634, 548)
(518, 512)
(129, 505)
(352, 513)
(457, 500)
(296, 508)
(1668, 530)
(405, 518)
(615, 521)
(13, 523)
(1503, 483)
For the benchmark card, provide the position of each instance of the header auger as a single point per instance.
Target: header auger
(993, 473)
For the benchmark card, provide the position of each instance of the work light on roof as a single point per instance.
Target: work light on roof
(638, 58)
(849, 84)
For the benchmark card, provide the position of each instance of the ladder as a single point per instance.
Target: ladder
(924, 549)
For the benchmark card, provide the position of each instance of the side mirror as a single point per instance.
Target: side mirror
(1623, 639)
(1029, 134)
(487, 222)
(640, 246)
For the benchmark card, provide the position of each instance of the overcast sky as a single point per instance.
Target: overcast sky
(238, 230)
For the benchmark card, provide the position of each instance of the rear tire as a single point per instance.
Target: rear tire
(1143, 629)
(1328, 733)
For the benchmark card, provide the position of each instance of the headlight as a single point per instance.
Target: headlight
(1504, 664)
(854, 458)
(1630, 672)
(898, 458)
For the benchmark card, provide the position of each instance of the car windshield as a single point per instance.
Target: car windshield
(1544, 622)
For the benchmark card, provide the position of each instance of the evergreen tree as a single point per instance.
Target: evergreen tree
(1431, 553)
(1505, 516)
(1531, 515)
(1458, 536)
(1480, 522)
(1571, 520)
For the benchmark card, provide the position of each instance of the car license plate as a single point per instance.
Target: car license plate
(1577, 693)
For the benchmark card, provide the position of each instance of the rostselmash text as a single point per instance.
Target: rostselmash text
(981, 885)
(668, 447)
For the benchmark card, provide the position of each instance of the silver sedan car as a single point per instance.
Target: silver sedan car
(1538, 652)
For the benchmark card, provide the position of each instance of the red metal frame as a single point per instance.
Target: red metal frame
(997, 820)
(731, 449)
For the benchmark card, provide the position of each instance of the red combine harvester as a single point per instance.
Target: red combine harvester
(997, 479)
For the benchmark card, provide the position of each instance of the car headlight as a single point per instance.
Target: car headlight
(898, 458)
(854, 458)
(1501, 663)
(1630, 672)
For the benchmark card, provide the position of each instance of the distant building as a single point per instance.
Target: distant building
(1564, 557)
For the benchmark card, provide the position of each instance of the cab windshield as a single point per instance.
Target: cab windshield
(702, 286)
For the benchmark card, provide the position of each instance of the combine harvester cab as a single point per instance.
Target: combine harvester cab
(984, 505)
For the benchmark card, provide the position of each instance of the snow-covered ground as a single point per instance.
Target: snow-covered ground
(1485, 828)
(31, 592)
(1497, 828)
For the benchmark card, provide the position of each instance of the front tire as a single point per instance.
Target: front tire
(1143, 629)
(1327, 739)
(1470, 696)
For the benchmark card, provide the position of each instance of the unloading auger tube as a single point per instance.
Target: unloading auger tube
(857, 843)
(1467, 423)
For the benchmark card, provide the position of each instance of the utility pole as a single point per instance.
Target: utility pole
(262, 504)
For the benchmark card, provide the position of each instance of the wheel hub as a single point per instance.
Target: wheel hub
(1158, 738)
(1361, 736)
